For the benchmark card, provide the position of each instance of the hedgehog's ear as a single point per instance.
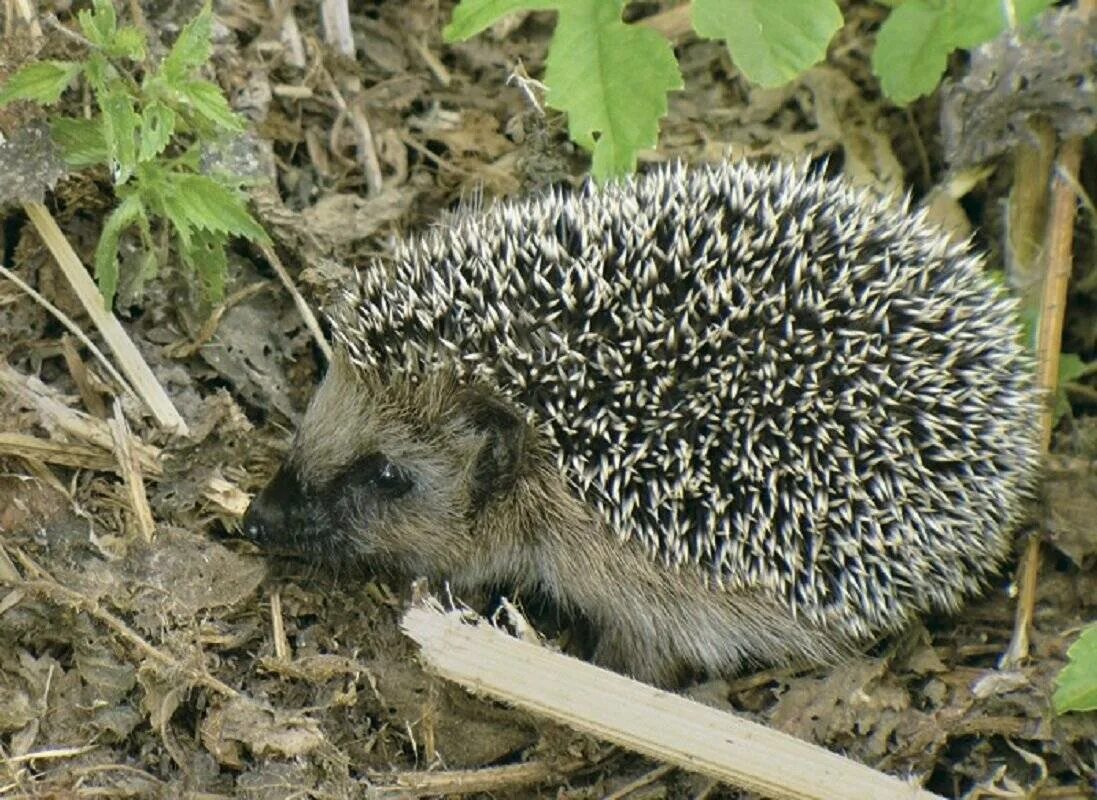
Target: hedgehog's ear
(506, 432)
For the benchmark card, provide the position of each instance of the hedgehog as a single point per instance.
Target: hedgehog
(727, 415)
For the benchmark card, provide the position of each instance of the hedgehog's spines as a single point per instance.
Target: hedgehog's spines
(750, 368)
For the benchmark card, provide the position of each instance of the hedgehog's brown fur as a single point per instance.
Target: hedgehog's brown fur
(526, 530)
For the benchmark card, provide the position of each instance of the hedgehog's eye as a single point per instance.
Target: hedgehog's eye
(375, 473)
(390, 479)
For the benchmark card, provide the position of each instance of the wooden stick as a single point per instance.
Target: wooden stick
(130, 466)
(129, 358)
(1058, 245)
(487, 780)
(1058, 248)
(664, 726)
(298, 301)
(66, 454)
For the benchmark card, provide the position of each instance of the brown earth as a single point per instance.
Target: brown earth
(193, 666)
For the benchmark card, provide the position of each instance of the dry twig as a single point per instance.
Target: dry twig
(55, 414)
(298, 301)
(672, 23)
(75, 456)
(187, 348)
(278, 627)
(644, 780)
(488, 780)
(130, 466)
(79, 372)
(1057, 260)
(1058, 248)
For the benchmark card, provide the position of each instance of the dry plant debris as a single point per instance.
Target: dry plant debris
(188, 663)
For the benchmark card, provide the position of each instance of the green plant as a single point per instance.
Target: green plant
(1076, 686)
(152, 122)
(914, 43)
(611, 78)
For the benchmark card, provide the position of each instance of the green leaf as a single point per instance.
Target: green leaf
(99, 72)
(912, 50)
(914, 42)
(42, 81)
(472, 16)
(99, 24)
(120, 123)
(1076, 686)
(205, 254)
(158, 190)
(771, 42)
(612, 80)
(206, 100)
(129, 43)
(192, 48)
(157, 127)
(81, 140)
(106, 252)
(200, 202)
(978, 21)
(1071, 366)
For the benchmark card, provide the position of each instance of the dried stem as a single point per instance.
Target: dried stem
(1057, 261)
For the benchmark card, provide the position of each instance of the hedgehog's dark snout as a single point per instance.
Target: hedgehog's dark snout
(277, 513)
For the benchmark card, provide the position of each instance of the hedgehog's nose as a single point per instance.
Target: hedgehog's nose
(256, 520)
(272, 511)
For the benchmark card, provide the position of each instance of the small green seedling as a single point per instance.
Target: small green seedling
(151, 123)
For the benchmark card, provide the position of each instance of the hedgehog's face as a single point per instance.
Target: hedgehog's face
(390, 473)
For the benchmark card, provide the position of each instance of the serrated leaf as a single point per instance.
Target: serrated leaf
(208, 102)
(192, 48)
(201, 202)
(81, 140)
(977, 21)
(205, 254)
(1076, 686)
(157, 126)
(98, 72)
(100, 23)
(42, 81)
(157, 187)
(106, 251)
(120, 123)
(912, 50)
(612, 80)
(129, 42)
(771, 42)
(472, 16)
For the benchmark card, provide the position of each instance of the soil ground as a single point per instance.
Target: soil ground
(192, 665)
